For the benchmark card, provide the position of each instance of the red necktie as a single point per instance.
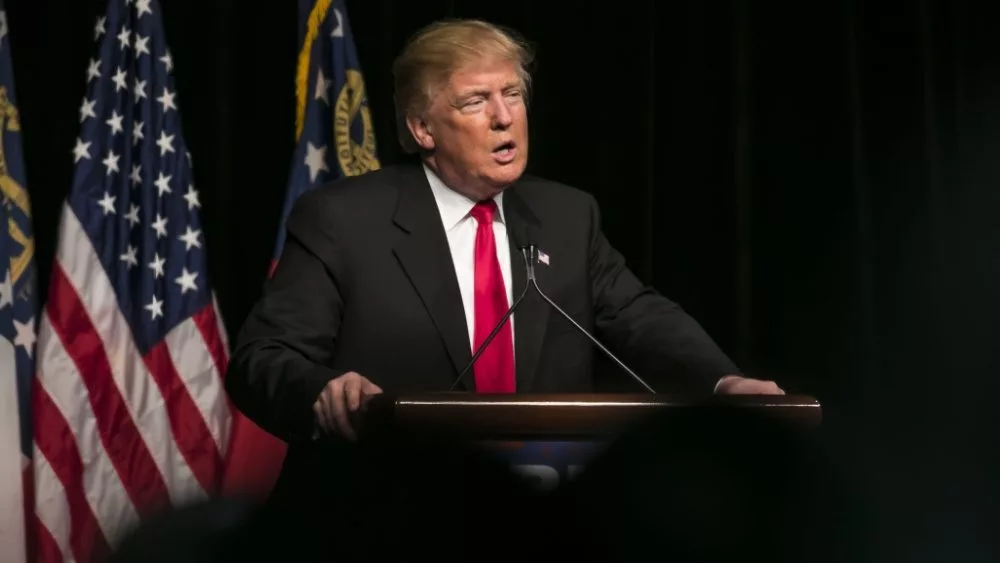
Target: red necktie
(494, 370)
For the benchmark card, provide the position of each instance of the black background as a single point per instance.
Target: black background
(817, 182)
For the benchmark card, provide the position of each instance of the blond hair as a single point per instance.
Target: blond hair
(438, 50)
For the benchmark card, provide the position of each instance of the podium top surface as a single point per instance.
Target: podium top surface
(568, 416)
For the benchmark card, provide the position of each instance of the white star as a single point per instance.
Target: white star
(157, 265)
(143, 7)
(107, 203)
(129, 257)
(136, 174)
(190, 238)
(137, 133)
(316, 160)
(141, 45)
(167, 99)
(322, 87)
(140, 89)
(94, 71)
(338, 30)
(25, 335)
(115, 122)
(6, 291)
(186, 281)
(87, 109)
(155, 308)
(133, 214)
(99, 27)
(123, 38)
(81, 150)
(163, 184)
(165, 142)
(192, 197)
(119, 79)
(168, 61)
(111, 162)
(160, 226)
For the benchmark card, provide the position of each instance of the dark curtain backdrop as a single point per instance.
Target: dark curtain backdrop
(817, 182)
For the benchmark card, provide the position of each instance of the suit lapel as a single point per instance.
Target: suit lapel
(425, 256)
(532, 315)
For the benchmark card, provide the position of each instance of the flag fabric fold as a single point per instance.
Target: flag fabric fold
(18, 312)
(129, 413)
(335, 138)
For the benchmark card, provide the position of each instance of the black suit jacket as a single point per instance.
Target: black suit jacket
(366, 283)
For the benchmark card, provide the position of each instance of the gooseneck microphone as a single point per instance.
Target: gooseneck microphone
(530, 252)
(492, 335)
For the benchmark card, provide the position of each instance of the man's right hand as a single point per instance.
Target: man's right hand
(341, 396)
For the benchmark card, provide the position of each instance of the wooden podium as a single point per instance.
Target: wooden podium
(563, 416)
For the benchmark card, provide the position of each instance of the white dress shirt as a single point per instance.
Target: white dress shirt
(461, 227)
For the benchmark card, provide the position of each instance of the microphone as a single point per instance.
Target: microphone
(492, 335)
(530, 252)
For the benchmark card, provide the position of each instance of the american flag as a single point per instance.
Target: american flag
(18, 311)
(130, 414)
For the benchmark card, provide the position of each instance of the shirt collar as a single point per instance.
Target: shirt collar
(454, 207)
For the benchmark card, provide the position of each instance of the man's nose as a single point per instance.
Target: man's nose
(502, 117)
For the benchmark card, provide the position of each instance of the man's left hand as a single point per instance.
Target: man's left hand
(739, 385)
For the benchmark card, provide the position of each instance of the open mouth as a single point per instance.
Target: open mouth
(505, 150)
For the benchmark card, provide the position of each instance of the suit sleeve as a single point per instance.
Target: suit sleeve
(284, 351)
(655, 334)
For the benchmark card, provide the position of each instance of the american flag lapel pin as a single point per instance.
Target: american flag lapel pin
(543, 258)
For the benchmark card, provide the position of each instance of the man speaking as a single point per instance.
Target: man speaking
(392, 280)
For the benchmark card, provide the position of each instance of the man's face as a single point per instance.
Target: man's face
(476, 129)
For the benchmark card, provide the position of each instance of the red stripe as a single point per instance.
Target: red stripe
(119, 434)
(28, 489)
(55, 441)
(187, 424)
(208, 325)
(46, 548)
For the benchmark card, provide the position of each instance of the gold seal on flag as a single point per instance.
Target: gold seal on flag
(356, 156)
(13, 193)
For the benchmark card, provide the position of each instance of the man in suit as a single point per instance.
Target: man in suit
(391, 280)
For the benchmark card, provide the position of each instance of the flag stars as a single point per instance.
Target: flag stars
(155, 308)
(129, 257)
(186, 281)
(133, 215)
(141, 45)
(165, 142)
(322, 87)
(192, 197)
(111, 162)
(157, 266)
(119, 79)
(190, 238)
(81, 150)
(136, 175)
(140, 89)
(167, 99)
(167, 61)
(87, 109)
(107, 203)
(163, 184)
(143, 7)
(160, 226)
(99, 28)
(123, 38)
(25, 337)
(115, 122)
(94, 71)
(315, 160)
(137, 134)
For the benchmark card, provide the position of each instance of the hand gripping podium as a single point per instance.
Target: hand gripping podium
(563, 416)
(550, 438)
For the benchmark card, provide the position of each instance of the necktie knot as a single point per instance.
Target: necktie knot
(484, 211)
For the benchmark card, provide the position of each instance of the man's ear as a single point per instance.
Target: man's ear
(421, 132)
